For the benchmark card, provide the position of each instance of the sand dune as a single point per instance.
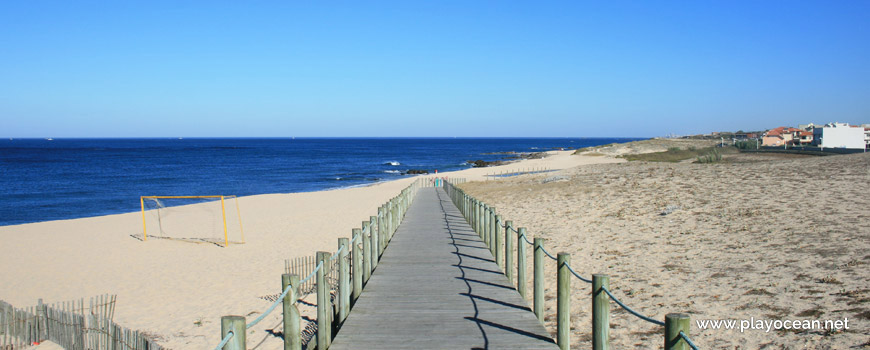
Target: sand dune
(756, 236)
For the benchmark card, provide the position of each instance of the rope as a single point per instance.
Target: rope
(576, 274)
(355, 238)
(335, 255)
(281, 298)
(229, 336)
(515, 230)
(548, 253)
(688, 340)
(527, 240)
(642, 317)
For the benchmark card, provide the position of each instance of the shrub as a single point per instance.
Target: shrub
(714, 156)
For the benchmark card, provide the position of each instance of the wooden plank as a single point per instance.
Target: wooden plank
(438, 287)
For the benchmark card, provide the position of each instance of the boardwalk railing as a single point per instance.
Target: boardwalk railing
(72, 325)
(497, 234)
(518, 172)
(337, 278)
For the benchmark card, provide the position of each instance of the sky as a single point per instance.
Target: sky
(429, 68)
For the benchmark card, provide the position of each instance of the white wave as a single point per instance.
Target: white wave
(393, 163)
(392, 171)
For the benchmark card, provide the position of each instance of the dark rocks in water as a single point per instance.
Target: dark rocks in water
(416, 172)
(482, 163)
(535, 155)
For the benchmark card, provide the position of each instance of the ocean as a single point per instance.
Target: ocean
(43, 179)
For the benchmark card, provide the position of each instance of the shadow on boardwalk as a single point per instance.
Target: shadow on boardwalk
(437, 287)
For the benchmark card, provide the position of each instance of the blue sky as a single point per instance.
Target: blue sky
(429, 68)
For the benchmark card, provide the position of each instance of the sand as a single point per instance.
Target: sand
(756, 236)
(175, 291)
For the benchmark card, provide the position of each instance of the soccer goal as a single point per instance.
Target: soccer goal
(201, 219)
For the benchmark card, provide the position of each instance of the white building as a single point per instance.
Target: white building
(839, 135)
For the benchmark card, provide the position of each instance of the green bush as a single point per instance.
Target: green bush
(714, 156)
(745, 144)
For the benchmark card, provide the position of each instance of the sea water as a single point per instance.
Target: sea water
(43, 179)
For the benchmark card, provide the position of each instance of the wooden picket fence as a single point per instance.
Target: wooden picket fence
(72, 325)
(305, 265)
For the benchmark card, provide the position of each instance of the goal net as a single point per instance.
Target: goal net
(200, 219)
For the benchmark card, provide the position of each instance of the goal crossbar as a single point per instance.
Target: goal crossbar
(223, 212)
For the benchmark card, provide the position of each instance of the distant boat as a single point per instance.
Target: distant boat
(50, 139)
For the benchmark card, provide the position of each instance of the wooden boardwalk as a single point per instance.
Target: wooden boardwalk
(438, 287)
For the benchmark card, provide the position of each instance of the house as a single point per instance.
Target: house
(780, 136)
(866, 136)
(803, 138)
(840, 135)
(743, 136)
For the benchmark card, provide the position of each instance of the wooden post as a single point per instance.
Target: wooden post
(492, 232)
(485, 230)
(382, 219)
(367, 254)
(478, 226)
(394, 217)
(539, 279)
(466, 212)
(600, 312)
(323, 307)
(376, 237)
(343, 280)
(388, 219)
(563, 302)
(40, 321)
(380, 239)
(292, 318)
(509, 251)
(499, 253)
(235, 324)
(521, 262)
(356, 255)
(674, 323)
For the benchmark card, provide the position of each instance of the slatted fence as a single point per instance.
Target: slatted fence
(73, 325)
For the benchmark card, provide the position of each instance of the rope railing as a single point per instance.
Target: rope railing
(226, 339)
(479, 217)
(630, 310)
(548, 253)
(335, 256)
(527, 240)
(284, 294)
(688, 340)
(577, 274)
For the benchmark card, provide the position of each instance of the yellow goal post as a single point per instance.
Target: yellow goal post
(223, 212)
